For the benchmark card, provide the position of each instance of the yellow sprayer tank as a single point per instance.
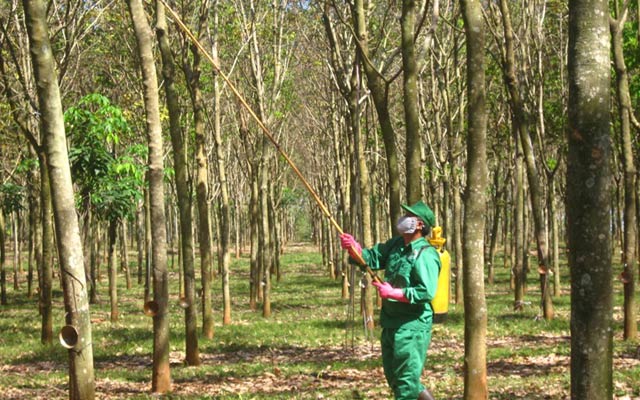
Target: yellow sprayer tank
(440, 302)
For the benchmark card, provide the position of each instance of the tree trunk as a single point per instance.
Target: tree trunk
(3, 259)
(519, 230)
(629, 256)
(192, 75)
(495, 225)
(113, 271)
(140, 243)
(147, 244)
(363, 188)
(380, 95)
(475, 309)
(254, 279)
(45, 263)
(410, 101)
(225, 207)
(161, 374)
(521, 127)
(265, 233)
(555, 238)
(33, 218)
(183, 189)
(16, 239)
(457, 235)
(589, 200)
(124, 255)
(76, 301)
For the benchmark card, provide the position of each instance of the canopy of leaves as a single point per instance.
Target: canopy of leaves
(11, 196)
(111, 184)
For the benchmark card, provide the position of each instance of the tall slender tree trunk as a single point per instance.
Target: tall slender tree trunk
(264, 240)
(3, 259)
(45, 262)
(589, 200)
(519, 239)
(521, 126)
(183, 190)
(124, 254)
(225, 204)
(76, 300)
(457, 236)
(363, 188)
(16, 260)
(629, 255)
(32, 239)
(113, 271)
(555, 238)
(380, 95)
(475, 309)
(161, 374)
(147, 244)
(192, 74)
(140, 243)
(254, 280)
(410, 101)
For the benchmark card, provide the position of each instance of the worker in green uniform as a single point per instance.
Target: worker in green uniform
(411, 267)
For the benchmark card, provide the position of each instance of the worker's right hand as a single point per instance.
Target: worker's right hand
(351, 245)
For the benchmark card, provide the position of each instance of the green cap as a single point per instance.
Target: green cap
(422, 211)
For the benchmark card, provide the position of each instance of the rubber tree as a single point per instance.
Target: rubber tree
(410, 102)
(379, 87)
(629, 256)
(349, 81)
(76, 300)
(588, 200)
(193, 70)
(521, 128)
(161, 373)
(475, 308)
(224, 256)
(179, 144)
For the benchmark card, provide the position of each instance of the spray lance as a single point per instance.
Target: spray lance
(354, 254)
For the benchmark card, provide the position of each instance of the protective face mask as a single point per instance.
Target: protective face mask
(407, 224)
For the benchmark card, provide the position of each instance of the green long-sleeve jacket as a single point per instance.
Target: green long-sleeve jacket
(417, 277)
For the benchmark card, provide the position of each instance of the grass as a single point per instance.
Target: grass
(304, 351)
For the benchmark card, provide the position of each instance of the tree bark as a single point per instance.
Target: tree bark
(475, 309)
(45, 262)
(629, 256)
(183, 190)
(161, 374)
(192, 75)
(113, 271)
(410, 102)
(380, 95)
(519, 230)
(589, 199)
(225, 204)
(3, 259)
(76, 300)
(521, 127)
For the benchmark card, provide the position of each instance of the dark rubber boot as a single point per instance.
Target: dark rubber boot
(425, 395)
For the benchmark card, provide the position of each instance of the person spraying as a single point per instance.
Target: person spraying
(411, 266)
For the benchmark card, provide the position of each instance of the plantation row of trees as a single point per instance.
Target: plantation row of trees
(508, 118)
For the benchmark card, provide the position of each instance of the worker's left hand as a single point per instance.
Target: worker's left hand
(387, 291)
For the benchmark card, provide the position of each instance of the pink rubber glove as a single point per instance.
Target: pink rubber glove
(387, 291)
(350, 244)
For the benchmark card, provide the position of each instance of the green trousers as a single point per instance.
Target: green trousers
(403, 355)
